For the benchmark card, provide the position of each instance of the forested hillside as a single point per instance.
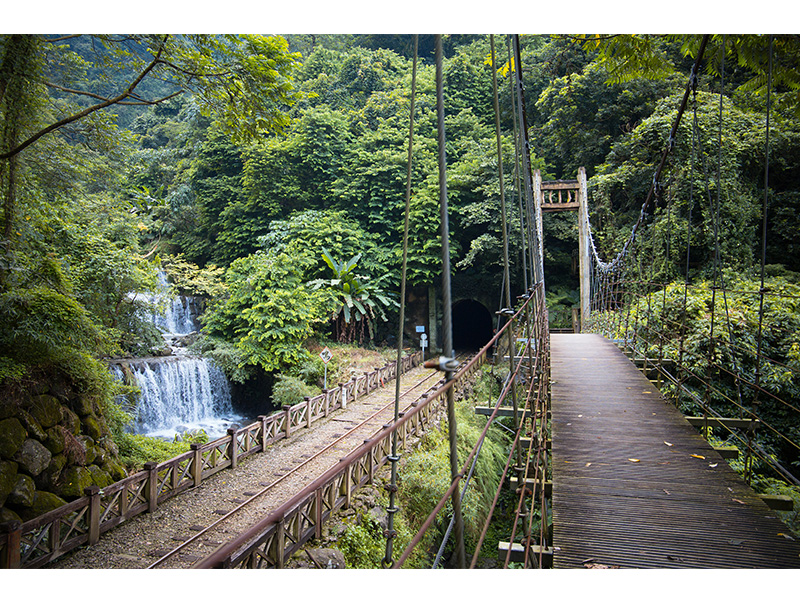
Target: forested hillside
(267, 175)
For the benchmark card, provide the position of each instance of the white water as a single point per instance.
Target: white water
(179, 393)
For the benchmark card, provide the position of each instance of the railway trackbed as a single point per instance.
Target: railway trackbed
(193, 524)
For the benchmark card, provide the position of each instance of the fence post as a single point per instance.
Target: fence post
(346, 487)
(93, 492)
(308, 411)
(151, 489)
(233, 449)
(355, 388)
(263, 420)
(9, 552)
(318, 513)
(197, 464)
(288, 424)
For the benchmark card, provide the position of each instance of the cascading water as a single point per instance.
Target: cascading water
(179, 393)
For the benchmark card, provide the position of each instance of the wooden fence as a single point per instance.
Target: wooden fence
(271, 542)
(82, 521)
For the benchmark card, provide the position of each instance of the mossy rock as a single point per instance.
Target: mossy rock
(6, 515)
(23, 492)
(94, 427)
(100, 478)
(31, 425)
(83, 406)
(56, 440)
(46, 409)
(33, 457)
(89, 448)
(49, 478)
(73, 481)
(12, 436)
(70, 421)
(115, 468)
(43, 502)
(8, 478)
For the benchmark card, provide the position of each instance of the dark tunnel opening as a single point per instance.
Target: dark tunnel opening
(472, 325)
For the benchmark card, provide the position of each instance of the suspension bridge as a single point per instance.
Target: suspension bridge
(605, 470)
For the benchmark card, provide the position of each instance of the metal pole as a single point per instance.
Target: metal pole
(447, 321)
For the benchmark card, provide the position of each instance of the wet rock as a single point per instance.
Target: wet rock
(48, 479)
(23, 492)
(82, 406)
(12, 436)
(94, 428)
(32, 457)
(380, 516)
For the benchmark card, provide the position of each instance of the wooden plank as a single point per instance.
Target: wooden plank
(728, 452)
(728, 423)
(518, 553)
(635, 485)
(778, 501)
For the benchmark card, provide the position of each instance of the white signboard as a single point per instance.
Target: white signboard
(326, 355)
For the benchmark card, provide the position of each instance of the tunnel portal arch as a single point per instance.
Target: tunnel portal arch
(472, 325)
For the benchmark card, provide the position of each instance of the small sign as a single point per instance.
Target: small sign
(420, 328)
(423, 343)
(326, 355)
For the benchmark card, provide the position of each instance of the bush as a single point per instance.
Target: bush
(290, 390)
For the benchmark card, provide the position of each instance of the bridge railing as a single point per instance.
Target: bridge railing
(81, 522)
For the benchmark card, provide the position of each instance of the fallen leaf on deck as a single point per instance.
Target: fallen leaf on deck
(599, 566)
(738, 501)
(633, 459)
(698, 456)
(668, 444)
(588, 464)
(713, 465)
(788, 537)
(736, 542)
(667, 493)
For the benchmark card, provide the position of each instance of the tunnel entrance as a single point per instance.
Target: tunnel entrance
(472, 325)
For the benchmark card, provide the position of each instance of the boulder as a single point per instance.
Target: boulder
(94, 427)
(82, 406)
(73, 481)
(55, 440)
(43, 502)
(46, 409)
(22, 494)
(100, 478)
(70, 421)
(12, 436)
(31, 425)
(115, 468)
(8, 478)
(32, 457)
(6, 515)
(48, 479)
(329, 558)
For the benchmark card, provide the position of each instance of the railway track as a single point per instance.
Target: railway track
(346, 432)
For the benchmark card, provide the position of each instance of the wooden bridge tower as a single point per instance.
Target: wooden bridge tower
(563, 195)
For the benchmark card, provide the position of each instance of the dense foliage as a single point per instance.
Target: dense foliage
(237, 162)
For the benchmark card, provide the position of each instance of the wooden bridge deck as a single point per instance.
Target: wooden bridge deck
(666, 509)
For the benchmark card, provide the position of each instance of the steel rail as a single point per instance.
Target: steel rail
(261, 493)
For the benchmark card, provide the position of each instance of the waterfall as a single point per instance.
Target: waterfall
(180, 314)
(180, 392)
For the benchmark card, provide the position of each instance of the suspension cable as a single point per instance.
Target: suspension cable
(447, 321)
(392, 509)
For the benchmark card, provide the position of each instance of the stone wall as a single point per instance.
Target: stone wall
(54, 443)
